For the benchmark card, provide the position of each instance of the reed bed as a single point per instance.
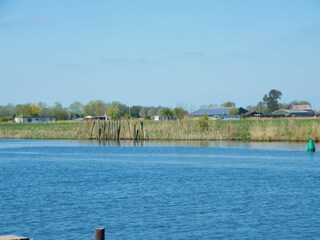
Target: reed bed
(291, 129)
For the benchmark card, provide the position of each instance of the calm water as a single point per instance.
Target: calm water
(168, 190)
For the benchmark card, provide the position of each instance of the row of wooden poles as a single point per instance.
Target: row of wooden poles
(110, 130)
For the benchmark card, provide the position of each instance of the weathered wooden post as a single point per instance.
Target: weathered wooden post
(112, 131)
(13, 238)
(108, 134)
(94, 122)
(104, 130)
(134, 132)
(142, 132)
(130, 137)
(99, 130)
(99, 233)
(145, 134)
(115, 130)
(118, 131)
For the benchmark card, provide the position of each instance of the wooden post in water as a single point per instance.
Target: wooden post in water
(115, 130)
(13, 238)
(99, 234)
(141, 126)
(134, 132)
(129, 129)
(108, 134)
(112, 131)
(145, 134)
(118, 130)
(94, 122)
(104, 130)
(99, 130)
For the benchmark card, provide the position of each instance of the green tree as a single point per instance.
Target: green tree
(166, 112)
(261, 108)
(95, 108)
(135, 111)
(152, 111)
(59, 112)
(283, 105)
(30, 110)
(179, 112)
(7, 111)
(271, 100)
(143, 112)
(233, 111)
(212, 105)
(228, 104)
(123, 109)
(300, 102)
(35, 110)
(203, 123)
(75, 109)
(114, 112)
(44, 109)
(19, 109)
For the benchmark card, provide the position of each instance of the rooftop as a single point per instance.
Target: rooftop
(300, 107)
(211, 111)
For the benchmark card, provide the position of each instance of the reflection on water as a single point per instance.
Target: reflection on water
(214, 144)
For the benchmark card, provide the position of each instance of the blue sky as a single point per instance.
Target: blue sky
(168, 52)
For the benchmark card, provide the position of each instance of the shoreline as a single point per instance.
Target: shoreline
(165, 140)
(250, 130)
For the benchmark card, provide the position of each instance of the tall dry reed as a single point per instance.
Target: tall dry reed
(293, 129)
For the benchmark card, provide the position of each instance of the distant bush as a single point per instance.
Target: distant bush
(6, 119)
(203, 123)
(233, 111)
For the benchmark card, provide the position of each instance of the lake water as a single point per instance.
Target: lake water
(159, 190)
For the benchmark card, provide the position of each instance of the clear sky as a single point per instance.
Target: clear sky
(164, 52)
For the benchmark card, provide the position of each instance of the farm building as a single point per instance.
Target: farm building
(216, 112)
(34, 119)
(94, 118)
(242, 111)
(253, 114)
(162, 118)
(296, 113)
(306, 108)
(300, 107)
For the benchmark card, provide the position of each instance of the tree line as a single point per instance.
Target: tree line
(77, 110)
(116, 110)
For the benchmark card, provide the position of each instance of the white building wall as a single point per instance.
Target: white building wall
(34, 120)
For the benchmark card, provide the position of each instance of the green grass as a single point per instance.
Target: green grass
(293, 129)
(59, 130)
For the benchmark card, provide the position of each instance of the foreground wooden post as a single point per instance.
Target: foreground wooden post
(99, 234)
(94, 122)
(13, 238)
(134, 132)
(141, 127)
(118, 131)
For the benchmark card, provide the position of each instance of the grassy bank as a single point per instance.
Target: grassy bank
(59, 130)
(248, 129)
(188, 129)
